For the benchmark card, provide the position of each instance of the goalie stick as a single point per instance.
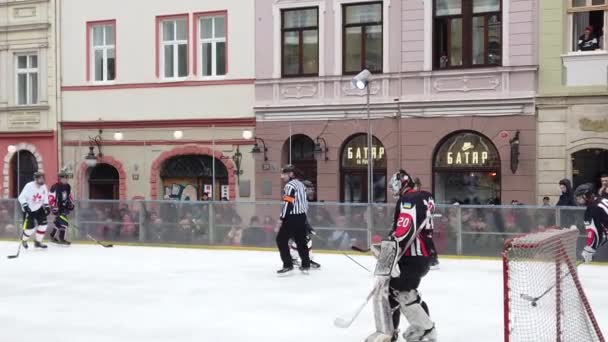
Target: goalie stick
(344, 322)
(104, 245)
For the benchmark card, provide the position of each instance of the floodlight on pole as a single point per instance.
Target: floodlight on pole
(362, 79)
(247, 134)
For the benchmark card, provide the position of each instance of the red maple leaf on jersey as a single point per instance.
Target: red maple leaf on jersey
(37, 198)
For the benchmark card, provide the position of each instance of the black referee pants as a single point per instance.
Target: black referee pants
(293, 226)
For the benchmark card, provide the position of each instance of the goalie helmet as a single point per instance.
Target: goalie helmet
(400, 180)
(586, 191)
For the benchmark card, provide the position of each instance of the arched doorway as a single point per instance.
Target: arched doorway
(23, 166)
(188, 177)
(303, 157)
(104, 182)
(466, 169)
(588, 165)
(353, 170)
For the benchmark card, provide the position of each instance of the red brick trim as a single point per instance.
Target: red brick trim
(122, 174)
(185, 150)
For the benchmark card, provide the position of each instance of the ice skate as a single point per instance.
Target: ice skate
(24, 244)
(305, 270)
(40, 245)
(416, 334)
(314, 265)
(285, 270)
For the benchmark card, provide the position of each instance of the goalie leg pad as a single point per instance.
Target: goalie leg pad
(413, 308)
(383, 315)
(378, 337)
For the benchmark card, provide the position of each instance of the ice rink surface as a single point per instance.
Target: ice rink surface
(92, 294)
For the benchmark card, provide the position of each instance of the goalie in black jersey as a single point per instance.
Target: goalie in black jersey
(596, 218)
(60, 199)
(403, 259)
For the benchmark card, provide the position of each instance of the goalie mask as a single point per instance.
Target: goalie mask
(400, 180)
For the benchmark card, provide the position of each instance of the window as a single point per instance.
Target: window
(212, 45)
(353, 170)
(103, 52)
(300, 41)
(467, 33)
(27, 79)
(174, 48)
(587, 19)
(362, 37)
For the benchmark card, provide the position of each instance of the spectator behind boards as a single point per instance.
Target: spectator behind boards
(588, 41)
(603, 192)
(566, 199)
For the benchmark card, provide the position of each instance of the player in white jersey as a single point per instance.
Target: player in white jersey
(34, 200)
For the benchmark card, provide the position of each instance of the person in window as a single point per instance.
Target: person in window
(588, 41)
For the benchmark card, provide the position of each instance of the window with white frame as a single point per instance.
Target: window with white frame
(174, 45)
(587, 18)
(212, 45)
(27, 79)
(104, 52)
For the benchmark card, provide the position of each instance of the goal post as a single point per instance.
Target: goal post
(543, 296)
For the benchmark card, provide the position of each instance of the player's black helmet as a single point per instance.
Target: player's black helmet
(38, 174)
(62, 174)
(584, 190)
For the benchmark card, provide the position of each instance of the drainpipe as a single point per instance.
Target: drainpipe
(399, 142)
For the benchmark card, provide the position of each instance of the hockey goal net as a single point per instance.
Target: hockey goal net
(543, 297)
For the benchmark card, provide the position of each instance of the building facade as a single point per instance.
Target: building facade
(573, 98)
(28, 92)
(158, 95)
(452, 96)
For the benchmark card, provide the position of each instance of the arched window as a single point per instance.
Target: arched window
(303, 158)
(354, 170)
(190, 177)
(466, 170)
(588, 165)
(104, 182)
(23, 166)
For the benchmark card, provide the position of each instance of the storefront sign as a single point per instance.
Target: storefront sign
(356, 153)
(360, 154)
(467, 150)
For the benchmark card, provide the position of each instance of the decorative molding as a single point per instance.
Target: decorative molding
(589, 125)
(299, 91)
(349, 90)
(24, 12)
(466, 83)
(229, 122)
(25, 27)
(22, 2)
(199, 83)
(7, 164)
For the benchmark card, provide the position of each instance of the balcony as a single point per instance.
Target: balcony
(586, 68)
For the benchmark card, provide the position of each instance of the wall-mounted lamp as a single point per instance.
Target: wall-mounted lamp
(135, 173)
(514, 152)
(256, 148)
(91, 159)
(321, 150)
(237, 157)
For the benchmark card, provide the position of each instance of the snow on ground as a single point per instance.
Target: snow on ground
(87, 293)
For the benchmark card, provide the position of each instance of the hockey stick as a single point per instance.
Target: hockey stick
(20, 242)
(16, 255)
(345, 323)
(313, 233)
(360, 250)
(534, 300)
(104, 245)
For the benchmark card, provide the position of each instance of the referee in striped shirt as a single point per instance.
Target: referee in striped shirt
(293, 220)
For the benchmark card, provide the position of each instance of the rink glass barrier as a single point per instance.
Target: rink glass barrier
(459, 229)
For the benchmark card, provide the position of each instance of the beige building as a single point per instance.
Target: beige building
(28, 92)
(158, 94)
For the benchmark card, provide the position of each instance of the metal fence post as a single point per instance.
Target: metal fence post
(370, 224)
(459, 230)
(211, 222)
(142, 222)
(558, 217)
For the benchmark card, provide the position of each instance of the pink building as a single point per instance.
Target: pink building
(453, 82)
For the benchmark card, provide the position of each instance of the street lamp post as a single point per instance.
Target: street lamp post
(361, 81)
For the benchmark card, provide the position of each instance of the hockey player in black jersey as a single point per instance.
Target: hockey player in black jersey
(596, 218)
(403, 260)
(60, 199)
